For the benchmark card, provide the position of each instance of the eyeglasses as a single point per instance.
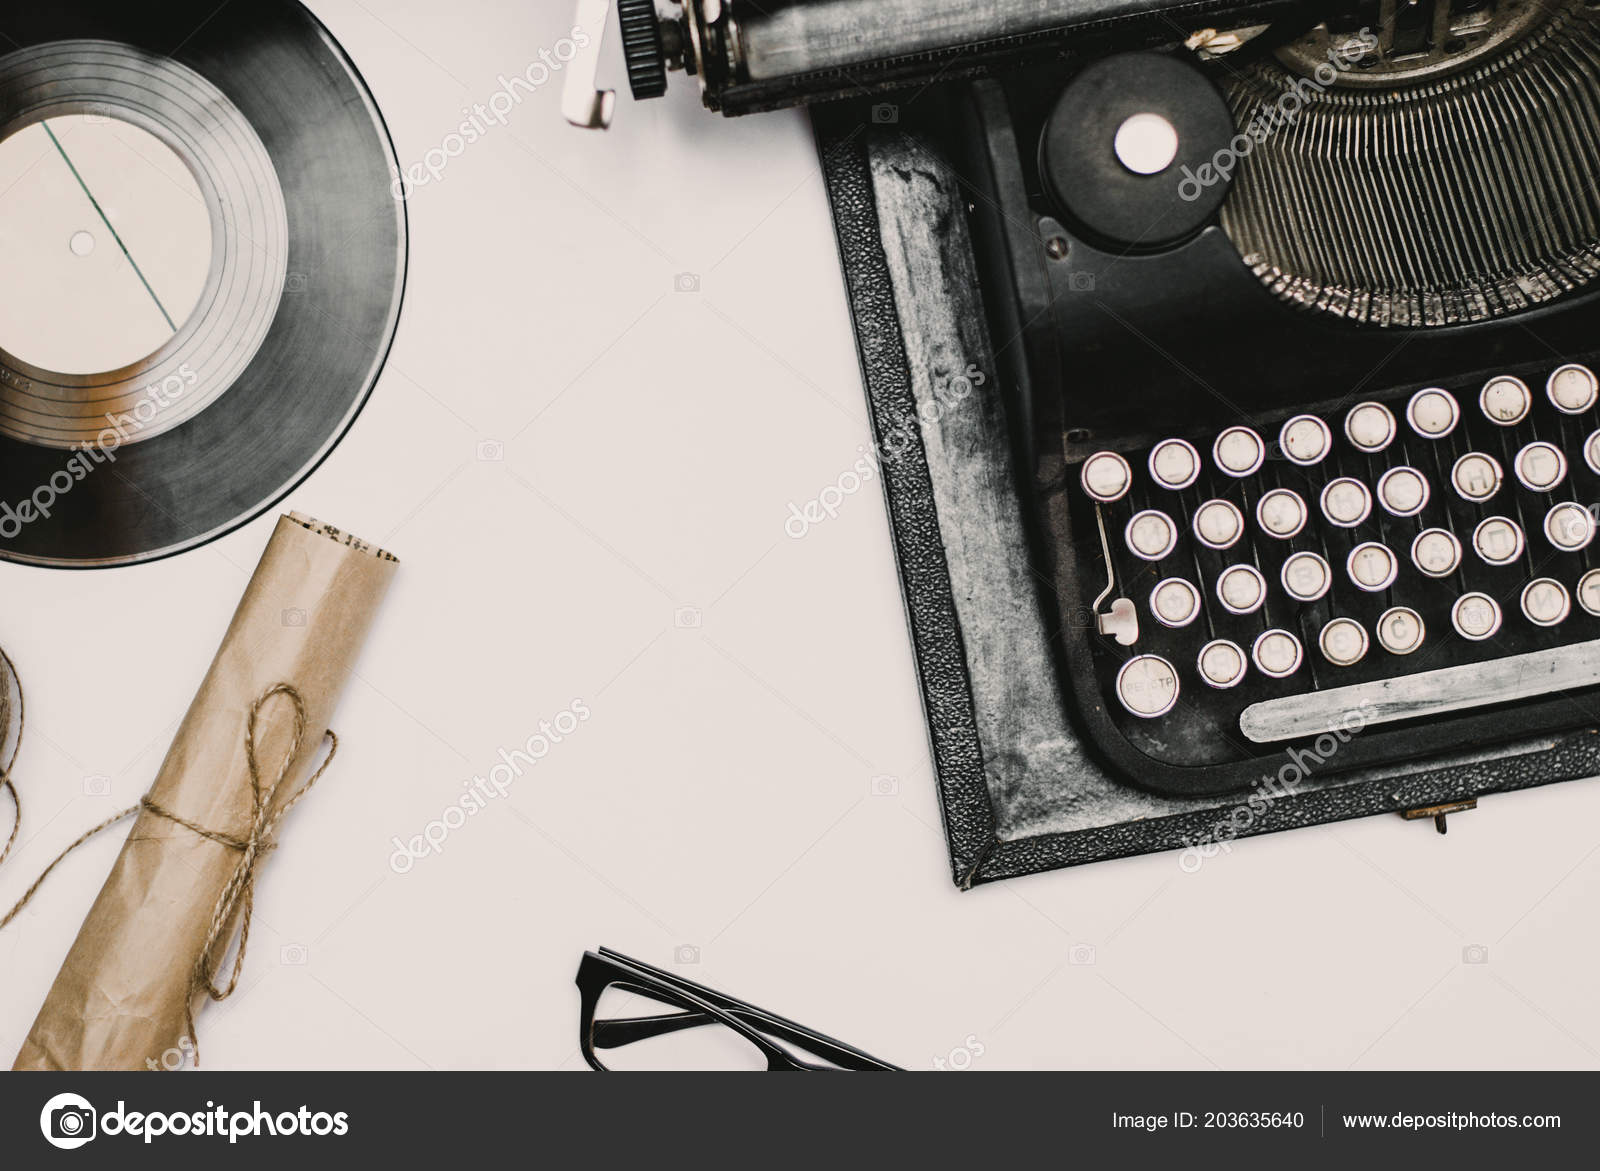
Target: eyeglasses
(623, 1021)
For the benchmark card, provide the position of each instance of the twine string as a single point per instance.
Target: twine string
(236, 902)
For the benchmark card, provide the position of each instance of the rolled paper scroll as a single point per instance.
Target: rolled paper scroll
(149, 951)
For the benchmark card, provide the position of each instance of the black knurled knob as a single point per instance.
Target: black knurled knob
(642, 49)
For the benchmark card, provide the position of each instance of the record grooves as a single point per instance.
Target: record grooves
(300, 308)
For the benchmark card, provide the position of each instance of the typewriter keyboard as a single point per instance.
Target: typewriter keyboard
(1404, 559)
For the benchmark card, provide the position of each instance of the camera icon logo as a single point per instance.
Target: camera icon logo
(1081, 954)
(68, 1121)
(491, 451)
(294, 617)
(686, 282)
(885, 114)
(687, 618)
(293, 953)
(295, 282)
(885, 786)
(97, 786)
(1475, 953)
(686, 953)
(1081, 282)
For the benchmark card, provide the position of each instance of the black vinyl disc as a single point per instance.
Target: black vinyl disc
(300, 306)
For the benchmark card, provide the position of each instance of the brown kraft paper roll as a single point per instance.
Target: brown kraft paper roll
(122, 998)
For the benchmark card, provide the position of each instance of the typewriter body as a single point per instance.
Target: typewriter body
(1293, 305)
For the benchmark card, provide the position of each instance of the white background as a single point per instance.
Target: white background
(721, 801)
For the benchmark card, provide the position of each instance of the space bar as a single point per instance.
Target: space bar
(1430, 693)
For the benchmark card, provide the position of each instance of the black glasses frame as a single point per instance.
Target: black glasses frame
(697, 1005)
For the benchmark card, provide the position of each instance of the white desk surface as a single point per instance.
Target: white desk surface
(754, 788)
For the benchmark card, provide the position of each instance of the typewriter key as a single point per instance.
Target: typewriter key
(1151, 534)
(1475, 616)
(1545, 602)
(1175, 602)
(1222, 663)
(1174, 464)
(1281, 513)
(1476, 476)
(1591, 452)
(1147, 686)
(1277, 653)
(1433, 413)
(1499, 540)
(1218, 524)
(1589, 592)
(1540, 467)
(1106, 477)
(1400, 630)
(1241, 589)
(1239, 451)
(1306, 577)
(1403, 491)
(1569, 527)
(1343, 642)
(1372, 566)
(1436, 552)
(1505, 400)
(1346, 502)
(1370, 426)
(1305, 440)
(1573, 389)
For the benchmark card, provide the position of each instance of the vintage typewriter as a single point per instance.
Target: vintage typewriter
(1291, 311)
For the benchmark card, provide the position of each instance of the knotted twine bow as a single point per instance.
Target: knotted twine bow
(236, 902)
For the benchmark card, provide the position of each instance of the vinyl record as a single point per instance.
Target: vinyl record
(287, 336)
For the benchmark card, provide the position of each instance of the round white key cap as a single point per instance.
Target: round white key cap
(1545, 602)
(1403, 491)
(1505, 400)
(1151, 534)
(1175, 602)
(1277, 653)
(1433, 413)
(1573, 389)
(1499, 540)
(1475, 616)
(1540, 467)
(1174, 464)
(1436, 552)
(1591, 452)
(1241, 589)
(1372, 566)
(1218, 524)
(1306, 577)
(1589, 592)
(1569, 527)
(1147, 686)
(1346, 502)
(1476, 476)
(1400, 630)
(1222, 663)
(1239, 451)
(1281, 513)
(1106, 477)
(1343, 642)
(1370, 426)
(1305, 440)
